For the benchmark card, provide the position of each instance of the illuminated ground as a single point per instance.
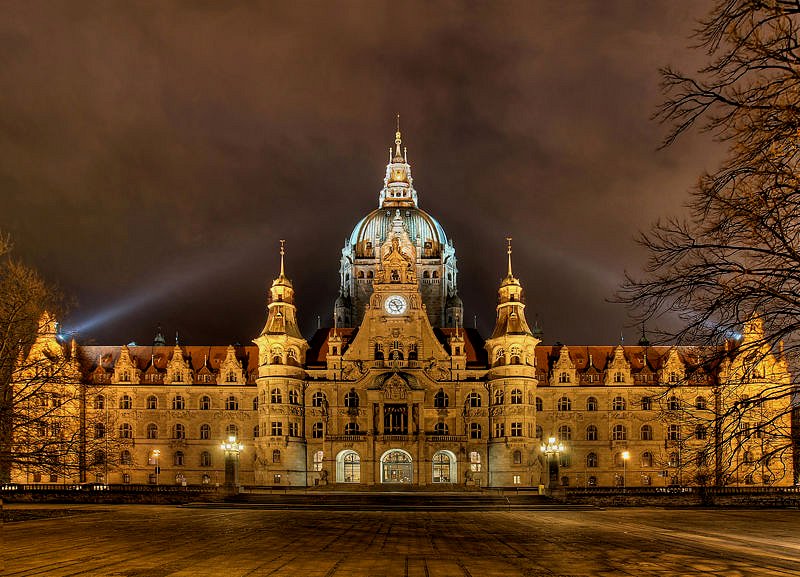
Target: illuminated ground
(160, 541)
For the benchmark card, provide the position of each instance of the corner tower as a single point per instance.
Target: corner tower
(280, 446)
(434, 260)
(511, 383)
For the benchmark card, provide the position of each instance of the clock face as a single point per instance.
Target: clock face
(395, 305)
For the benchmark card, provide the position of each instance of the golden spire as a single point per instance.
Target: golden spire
(508, 239)
(283, 241)
(398, 140)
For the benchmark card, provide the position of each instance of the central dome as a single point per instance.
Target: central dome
(424, 230)
(435, 259)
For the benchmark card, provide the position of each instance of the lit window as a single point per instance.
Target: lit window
(319, 458)
(474, 461)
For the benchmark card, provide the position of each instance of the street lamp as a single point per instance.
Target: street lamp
(551, 449)
(625, 456)
(156, 454)
(232, 449)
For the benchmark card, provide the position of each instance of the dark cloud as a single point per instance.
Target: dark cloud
(152, 154)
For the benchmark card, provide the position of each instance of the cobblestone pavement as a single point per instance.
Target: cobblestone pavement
(160, 541)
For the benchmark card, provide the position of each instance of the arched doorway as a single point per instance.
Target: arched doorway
(444, 467)
(396, 467)
(348, 467)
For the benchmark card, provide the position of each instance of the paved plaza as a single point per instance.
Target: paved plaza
(161, 541)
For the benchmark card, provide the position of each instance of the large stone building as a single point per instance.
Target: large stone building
(398, 391)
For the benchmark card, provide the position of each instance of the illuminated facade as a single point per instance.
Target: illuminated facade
(400, 392)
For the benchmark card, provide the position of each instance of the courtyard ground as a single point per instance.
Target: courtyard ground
(161, 541)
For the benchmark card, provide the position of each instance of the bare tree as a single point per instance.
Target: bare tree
(46, 430)
(736, 258)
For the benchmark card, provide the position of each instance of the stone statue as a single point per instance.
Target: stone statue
(536, 472)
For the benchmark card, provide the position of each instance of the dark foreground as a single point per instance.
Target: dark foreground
(161, 541)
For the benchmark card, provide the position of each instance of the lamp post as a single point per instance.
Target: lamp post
(156, 454)
(232, 449)
(625, 456)
(551, 449)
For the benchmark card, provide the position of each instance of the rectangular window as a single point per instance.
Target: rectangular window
(516, 429)
(294, 430)
(517, 479)
(277, 429)
(499, 429)
(276, 479)
(126, 478)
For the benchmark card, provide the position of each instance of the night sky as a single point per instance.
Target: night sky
(153, 154)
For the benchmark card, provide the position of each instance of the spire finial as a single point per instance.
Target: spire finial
(508, 240)
(398, 139)
(283, 242)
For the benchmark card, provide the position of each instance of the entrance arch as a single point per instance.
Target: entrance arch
(348, 467)
(397, 467)
(444, 467)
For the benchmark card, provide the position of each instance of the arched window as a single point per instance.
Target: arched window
(646, 433)
(443, 467)
(360, 274)
(516, 397)
(177, 458)
(441, 400)
(276, 456)
(441, 429)
(125, 457)
(317, 430)
(674, 459)
(205, 403)
(348, 467)
(564, 404)
(232, 403)
(563, 377)
(518, 457)
(564, 460)
(319, 399)
(293, 397)
(99, 402)
(591, 404)
(475, 431)
(99, 431)
(564, 433)
(700, 403)
(351, 399)
(591, 460)
(177, 402)
(673, 404)
(205, 431)
(232, 431)
(152, 402)
(275, 396)
(473, 400)
(152, 431)
(205, 459)
(618, 404)
(647, 459)
(351, 429)
(125, 402)
(539, 405)
(499, 397)
(619, 433)
(591, 433)
(647, 404)
(125, 431)
(516, 354)
(178, 431)
(256, 431)
(426, 274)
(700, 432)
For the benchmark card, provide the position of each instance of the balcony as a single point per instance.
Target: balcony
(346, 438)
(446, 438)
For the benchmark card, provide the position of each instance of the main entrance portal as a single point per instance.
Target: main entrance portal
(396, 467)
